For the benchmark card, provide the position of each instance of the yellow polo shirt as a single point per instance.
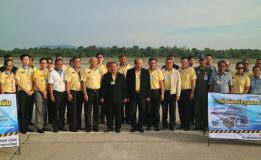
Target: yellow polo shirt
(102, 68)
(249, 74)
(187, 75)
(239, 83)
(42, 79)
(92, 78)
(65, 68)
(155, 77)
(74, 78)
(167, 83)
(8, 82)
(25, 77)
(123, 69)
(137, 81)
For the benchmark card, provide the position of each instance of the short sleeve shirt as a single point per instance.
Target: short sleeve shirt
(220, 83)
(187, 75)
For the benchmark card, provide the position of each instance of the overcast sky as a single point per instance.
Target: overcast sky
(218, 24)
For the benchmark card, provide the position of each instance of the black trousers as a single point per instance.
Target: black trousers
(114, 113)
(126, 111)
(140, 102)
(152, 115)
(31, 109)
(92, 106)
(185, 108)
(58, 110)
(75, 110)
(24, 102)
(103, 111)
(201, 110)
(169, 106)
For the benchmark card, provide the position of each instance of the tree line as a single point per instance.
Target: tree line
(135, 51)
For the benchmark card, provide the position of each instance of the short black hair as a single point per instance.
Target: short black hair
(58, 55)
(99, 53)
(169, 59)
(6, 56)
(42, 59)
(57, 60)
(191, 57)
(170, 56)
(113, 63)
(153, 59)
(182, 58)
(122, 56)
(255, 68)
(49, 58)
(239, 63)
(76, 57)
(243, 60)
(6, 61)
(221, 61)
(208, 55)
(24, 55)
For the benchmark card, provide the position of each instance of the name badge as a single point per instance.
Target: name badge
(93, 78)
(205, 77)
(151, 77)
(112, 82)
(218, 82)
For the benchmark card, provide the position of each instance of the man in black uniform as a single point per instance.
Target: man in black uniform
(201, 94)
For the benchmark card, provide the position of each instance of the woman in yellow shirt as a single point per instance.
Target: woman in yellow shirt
(7, 79)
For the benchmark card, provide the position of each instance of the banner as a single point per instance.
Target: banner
(234, 116)
(9, 127)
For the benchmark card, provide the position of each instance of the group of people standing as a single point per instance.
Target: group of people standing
(116, 91)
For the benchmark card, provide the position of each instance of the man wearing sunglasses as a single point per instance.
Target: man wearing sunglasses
(247, 70)
(241, 81)
(8, 57)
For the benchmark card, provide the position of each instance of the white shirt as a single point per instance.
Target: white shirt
(57, 79)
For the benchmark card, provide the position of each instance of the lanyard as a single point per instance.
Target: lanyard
(28, 70)
(10, 77)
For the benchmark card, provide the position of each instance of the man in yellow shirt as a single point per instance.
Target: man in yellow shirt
(7, 79)
(123, 68)
(103, 70)
(241, 82)
(188, 83)
(172, 89)
(74, 95)
(40, 78)
(91, 84)
(157, 95)
(24, 81)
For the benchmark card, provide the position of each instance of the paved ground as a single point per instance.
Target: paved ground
(150, 145)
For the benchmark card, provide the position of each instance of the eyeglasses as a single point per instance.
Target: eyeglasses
(99, 57)
(240, 68)
(50, 62)
(9, 65)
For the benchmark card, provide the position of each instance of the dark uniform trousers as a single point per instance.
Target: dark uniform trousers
(169, 106)
(31, 108)
(58, 110)
(152, 115)
(114, 112)
(201, 110)
(75, 110)
(140, 102)
(24, 102)
(185, 109)
(92, 105)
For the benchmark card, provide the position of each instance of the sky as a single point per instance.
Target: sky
(217, 24)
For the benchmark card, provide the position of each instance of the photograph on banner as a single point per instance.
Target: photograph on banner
(234, 116)
(9, 127)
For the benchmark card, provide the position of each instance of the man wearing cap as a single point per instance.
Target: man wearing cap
(201, 94)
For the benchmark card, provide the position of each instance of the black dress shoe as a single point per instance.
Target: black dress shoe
(157, 129)
(29, 130)
(88, 129)
(180, 127)
(132, 129)
(148, 128)
(55, 130)
(196, 128)
(141, 130)
(108, 130)
(95, 129)
(79, 128)
(23, 132)
(187, 129)
(46, 129)
(163, 127)
(117, 130)
(172, 128)
(40, 130)
(62, 129)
